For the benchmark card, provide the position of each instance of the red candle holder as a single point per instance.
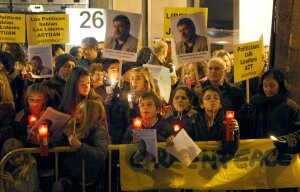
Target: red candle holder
(137, 123)
(229, 133)
(32, 119)
(43, 140)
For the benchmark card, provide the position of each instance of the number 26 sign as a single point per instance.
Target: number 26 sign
(86, 23)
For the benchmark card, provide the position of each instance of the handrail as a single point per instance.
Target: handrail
(55, 150)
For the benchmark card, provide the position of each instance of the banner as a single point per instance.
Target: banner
(47, 29)
(248, 61)
(170, 12)
(12, 28)
(256, 165)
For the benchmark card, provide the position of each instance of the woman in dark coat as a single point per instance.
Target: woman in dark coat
(271, 111)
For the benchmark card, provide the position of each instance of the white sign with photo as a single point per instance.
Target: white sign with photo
(184, 148)
(162, 78)
(190, 36)
(40, 61)
(122, 33)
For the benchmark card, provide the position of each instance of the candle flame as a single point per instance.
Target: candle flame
(176, 128)
(137, 123)
(129, 97)
(43, 130)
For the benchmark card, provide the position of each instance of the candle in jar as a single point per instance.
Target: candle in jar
(229, 133)
(32, 119)
(137, 123)
(130, 101)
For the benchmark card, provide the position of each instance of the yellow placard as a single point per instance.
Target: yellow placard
(256, 165)
(170, 12)
(12, 28)
(47, 29)
(248, 61)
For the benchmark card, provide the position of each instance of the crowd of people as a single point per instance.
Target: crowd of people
(90, 89)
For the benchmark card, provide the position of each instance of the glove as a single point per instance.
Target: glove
(281, 144)
(247, 109)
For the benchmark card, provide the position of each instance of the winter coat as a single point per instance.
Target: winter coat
(232, 97)
(55, 88)
(7, 115)
(200, 132)
(163, 131)
(276, 115)
(93, 151)
(184, 120)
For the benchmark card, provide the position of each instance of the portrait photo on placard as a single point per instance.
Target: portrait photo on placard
(122, 31)
(39, 63)
(190, 33)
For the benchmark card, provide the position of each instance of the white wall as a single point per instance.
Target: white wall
(255, 19)
(156, 16)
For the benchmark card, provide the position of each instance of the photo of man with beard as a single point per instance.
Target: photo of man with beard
(190, 41)
(121, 40)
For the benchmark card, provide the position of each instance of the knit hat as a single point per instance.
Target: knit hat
(62, 59)
(8, 61)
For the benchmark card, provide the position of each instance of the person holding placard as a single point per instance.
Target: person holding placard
(149, 106)
(122, 39)
(271, 111)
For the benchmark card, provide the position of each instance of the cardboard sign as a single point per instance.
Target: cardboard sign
(90, 23)
(248, 61)
(47, 29)
(12, 28)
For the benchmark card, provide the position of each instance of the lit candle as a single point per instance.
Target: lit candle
(110, 88)
(113, 82)
(43, 131)
(32, 119)
(137, 123)
(43, 135)
(176, 128)
(174, 69)
(130, 101)
(229, 133)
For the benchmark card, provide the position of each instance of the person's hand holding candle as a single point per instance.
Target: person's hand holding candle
(231, 125)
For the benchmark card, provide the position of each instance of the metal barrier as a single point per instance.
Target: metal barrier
(28, 151)
(110, 149)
